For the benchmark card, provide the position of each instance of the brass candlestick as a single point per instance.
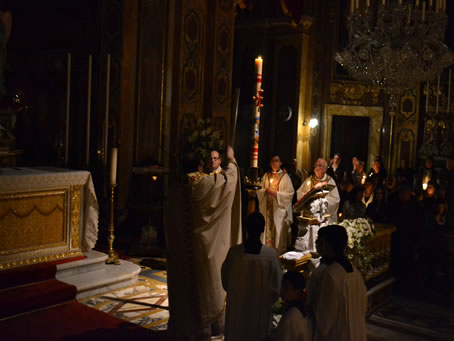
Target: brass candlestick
(113, 258)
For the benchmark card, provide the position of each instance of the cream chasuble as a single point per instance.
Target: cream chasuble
(203, 222)
(321, 207)
(277, 211)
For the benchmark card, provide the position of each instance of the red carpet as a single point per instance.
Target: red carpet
(36, 306)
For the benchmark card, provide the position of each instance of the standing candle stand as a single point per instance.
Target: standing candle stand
(252, 183)
(113, 258)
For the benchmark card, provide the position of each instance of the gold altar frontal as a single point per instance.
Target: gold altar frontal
(42, 215)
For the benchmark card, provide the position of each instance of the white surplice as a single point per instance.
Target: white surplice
(203, 222)
(252, 282)
(338, 302)
(293, 326)
(281, 214)
(329, 205)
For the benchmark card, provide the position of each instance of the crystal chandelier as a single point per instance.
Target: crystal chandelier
(396, 43)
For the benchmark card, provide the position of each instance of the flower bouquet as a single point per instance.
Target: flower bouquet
(205, 138)
(359, 232)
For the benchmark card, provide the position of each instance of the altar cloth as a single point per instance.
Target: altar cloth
(46, 213)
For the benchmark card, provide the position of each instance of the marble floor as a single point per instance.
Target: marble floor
(146, 303)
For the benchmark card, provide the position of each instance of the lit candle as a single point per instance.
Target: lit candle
(423, 10)
(68, 106)
(424, 186)
(363, 180)
(87, 150)
(113, 166)
(258, 66)
(257, 105)
(106, 127)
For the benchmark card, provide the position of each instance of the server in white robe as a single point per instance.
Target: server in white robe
(323, 211)
(294, 324)
(251, 275)
(337, 296)
(275, 203)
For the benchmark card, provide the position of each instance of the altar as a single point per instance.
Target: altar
(46, 214)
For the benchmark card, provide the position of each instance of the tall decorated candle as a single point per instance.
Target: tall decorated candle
(256, 109)
(113, 166)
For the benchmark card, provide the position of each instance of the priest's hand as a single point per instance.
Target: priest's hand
(321, 184)
(271, 193)
(230, 153)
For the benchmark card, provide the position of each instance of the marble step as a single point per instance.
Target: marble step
(93, 277)
(94, 261)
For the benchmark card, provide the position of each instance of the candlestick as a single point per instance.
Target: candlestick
(113, 166)
(423, 10)
(449, 90)
(427, 98)
(113, 258)
(106, 127)
(438, 93)
(87, 150)
(68, 106)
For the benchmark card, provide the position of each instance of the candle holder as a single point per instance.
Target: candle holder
(113, 258)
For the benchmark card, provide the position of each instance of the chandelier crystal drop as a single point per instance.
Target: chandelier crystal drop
(396, 43)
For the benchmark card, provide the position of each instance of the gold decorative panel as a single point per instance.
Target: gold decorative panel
(75, 219)
(33, 220)
(354, 94)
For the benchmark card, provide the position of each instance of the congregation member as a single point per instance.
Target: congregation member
(322, 211)
(275, 203)
(201, 236)
(336, 168)
(359, 175)
(426, 174)
(251, 275)
(404, 174)
(377, 174)
(337, 297)
(294, 324)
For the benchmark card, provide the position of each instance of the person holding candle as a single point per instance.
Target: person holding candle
(425, 174)
(275, 203)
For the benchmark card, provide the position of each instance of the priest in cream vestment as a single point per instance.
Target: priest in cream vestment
(275, 204)
(322, 211)
(203, 221)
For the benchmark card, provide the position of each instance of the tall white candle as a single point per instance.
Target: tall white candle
(113, 166)
(68, 106)
(449, 90)
(106, 127)
(87, 150)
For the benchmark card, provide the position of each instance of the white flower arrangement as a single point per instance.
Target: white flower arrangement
(204, 139)
(359, 232)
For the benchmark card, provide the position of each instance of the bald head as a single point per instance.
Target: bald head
(320, 168)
